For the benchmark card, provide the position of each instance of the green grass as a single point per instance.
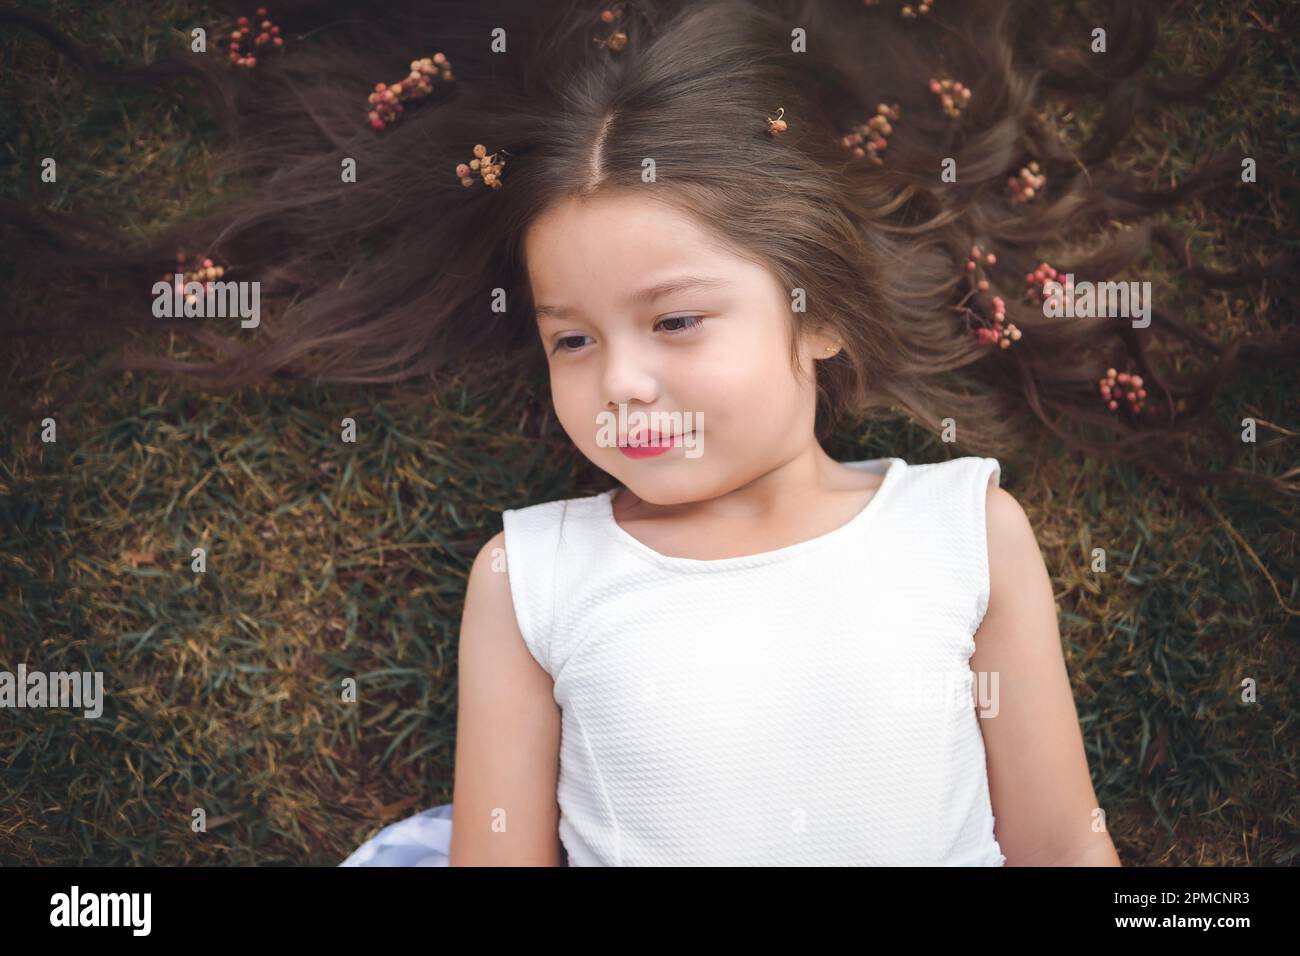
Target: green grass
(329, 560)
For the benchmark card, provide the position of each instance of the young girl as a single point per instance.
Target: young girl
(755, 654)
(726, 229)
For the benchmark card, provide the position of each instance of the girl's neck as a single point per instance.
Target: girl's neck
(799, 500)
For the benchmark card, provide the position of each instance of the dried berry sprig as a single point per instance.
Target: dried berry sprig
(870, 138)
(203, 271)
(999, 332)
(1026, 184)
(953, 96)
(1122, 388)
(488, 167)
(244, 43)
(386, 100)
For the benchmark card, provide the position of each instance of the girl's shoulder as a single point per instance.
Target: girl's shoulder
(540, 529)
(964, 482)
(954, 468)
(588, 508)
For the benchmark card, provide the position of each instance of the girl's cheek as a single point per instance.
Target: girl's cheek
(576, 418)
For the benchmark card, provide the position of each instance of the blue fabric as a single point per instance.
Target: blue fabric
(421, 840)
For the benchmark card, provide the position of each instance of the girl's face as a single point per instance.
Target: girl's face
(639, 307)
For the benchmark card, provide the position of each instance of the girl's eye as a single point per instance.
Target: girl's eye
(559, 344)
(692, 321)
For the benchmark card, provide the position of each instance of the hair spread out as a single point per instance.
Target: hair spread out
(392, 277)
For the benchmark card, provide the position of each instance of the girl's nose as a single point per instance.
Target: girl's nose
(628, 378)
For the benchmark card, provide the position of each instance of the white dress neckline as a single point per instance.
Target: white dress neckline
(889, 467)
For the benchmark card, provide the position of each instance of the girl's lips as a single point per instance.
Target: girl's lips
(650, 445)
(651, 439)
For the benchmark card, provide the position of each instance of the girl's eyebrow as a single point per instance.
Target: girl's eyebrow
(643, 297)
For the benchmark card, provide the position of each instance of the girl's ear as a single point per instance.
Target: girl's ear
(822, 343)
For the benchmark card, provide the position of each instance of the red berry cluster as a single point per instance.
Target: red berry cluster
(1036, 282)
(868, 139)
(1001, 333)
(616, 40)
(911, 13)
(952, 94)
(269, 35)
(1027, 184)
(386, 100)
(1122, 387)
(204, 271)
(486, 166)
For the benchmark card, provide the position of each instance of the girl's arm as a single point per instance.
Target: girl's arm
(504, 808)
(1043, 800)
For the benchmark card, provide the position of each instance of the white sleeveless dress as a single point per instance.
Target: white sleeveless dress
(808, 706)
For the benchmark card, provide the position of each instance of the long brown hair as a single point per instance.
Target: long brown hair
(393, 276)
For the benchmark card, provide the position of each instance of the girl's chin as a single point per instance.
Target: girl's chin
(664, 487)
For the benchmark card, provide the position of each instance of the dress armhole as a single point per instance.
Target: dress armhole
(525, 578)
(986, 469)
